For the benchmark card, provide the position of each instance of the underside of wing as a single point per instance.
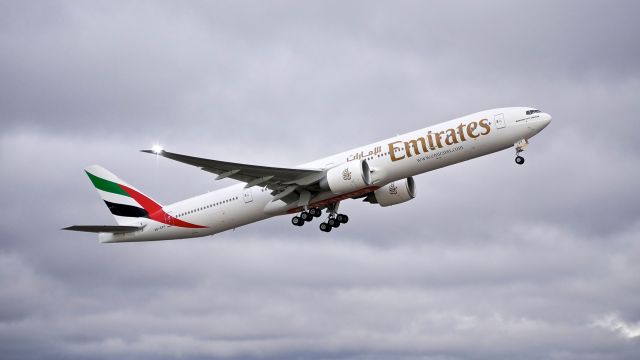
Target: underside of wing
(275, 178)
(114, 229)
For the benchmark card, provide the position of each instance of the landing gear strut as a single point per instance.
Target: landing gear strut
(334, 219)
(520, 145)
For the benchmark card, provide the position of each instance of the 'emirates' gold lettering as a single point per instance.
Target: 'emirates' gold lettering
(461, 130)
(484, 123)
(438, 140)
(434, 140)
(414, 143)
(430, 138)
(451, 137)
(471, 128)
(392, 151)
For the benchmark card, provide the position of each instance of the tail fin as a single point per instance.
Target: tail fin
(124, 201)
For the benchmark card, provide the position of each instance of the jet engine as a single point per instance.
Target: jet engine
(393, 193)
(347, 177)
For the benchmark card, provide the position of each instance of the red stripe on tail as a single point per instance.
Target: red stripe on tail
(155, 210)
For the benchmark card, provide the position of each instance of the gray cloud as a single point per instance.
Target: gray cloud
(490, 261)
(261, 297)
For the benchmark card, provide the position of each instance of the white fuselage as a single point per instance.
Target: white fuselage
(235, 206)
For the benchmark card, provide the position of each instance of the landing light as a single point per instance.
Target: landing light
(157, 149)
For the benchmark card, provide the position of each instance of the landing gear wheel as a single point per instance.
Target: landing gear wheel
(342, 218)
(325, 227)
(315, 212)
(306, 216)
(297, 221)
(333, 223)
(519, 160)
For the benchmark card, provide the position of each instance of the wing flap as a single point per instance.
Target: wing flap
(114, 229)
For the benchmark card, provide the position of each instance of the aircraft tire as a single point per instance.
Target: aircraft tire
(297, 221)
(519, 160)
(325, 227)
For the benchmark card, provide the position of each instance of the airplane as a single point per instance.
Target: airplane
(379, 173)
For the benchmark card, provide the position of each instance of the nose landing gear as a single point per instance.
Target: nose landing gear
(520, 145)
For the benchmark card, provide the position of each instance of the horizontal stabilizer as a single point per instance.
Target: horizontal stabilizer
(114, 229)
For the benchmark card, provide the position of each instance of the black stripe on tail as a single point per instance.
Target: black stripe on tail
(126, 210)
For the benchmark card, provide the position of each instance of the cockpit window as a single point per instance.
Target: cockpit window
(529, 112)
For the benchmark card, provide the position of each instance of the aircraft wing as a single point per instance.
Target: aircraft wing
(114, 229)
(275, 178)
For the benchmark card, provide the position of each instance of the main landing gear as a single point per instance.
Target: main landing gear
(306, 216)
(333, 221)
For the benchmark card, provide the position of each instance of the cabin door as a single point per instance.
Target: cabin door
(246, 195)
(499, 120)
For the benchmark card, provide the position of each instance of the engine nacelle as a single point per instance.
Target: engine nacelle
(394, 193)
(350, 176)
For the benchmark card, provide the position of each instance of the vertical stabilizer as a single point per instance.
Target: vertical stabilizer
(125, 202)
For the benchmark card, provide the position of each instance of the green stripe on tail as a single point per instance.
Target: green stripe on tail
(106, 185)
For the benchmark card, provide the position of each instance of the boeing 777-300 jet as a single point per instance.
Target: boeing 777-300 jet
(379, 173)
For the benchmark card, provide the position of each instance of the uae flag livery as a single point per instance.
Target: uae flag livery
(126, 203)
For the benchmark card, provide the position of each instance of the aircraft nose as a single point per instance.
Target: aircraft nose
(545, 119)
(539, 122)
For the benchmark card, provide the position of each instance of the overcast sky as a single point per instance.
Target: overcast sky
(490, 261)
